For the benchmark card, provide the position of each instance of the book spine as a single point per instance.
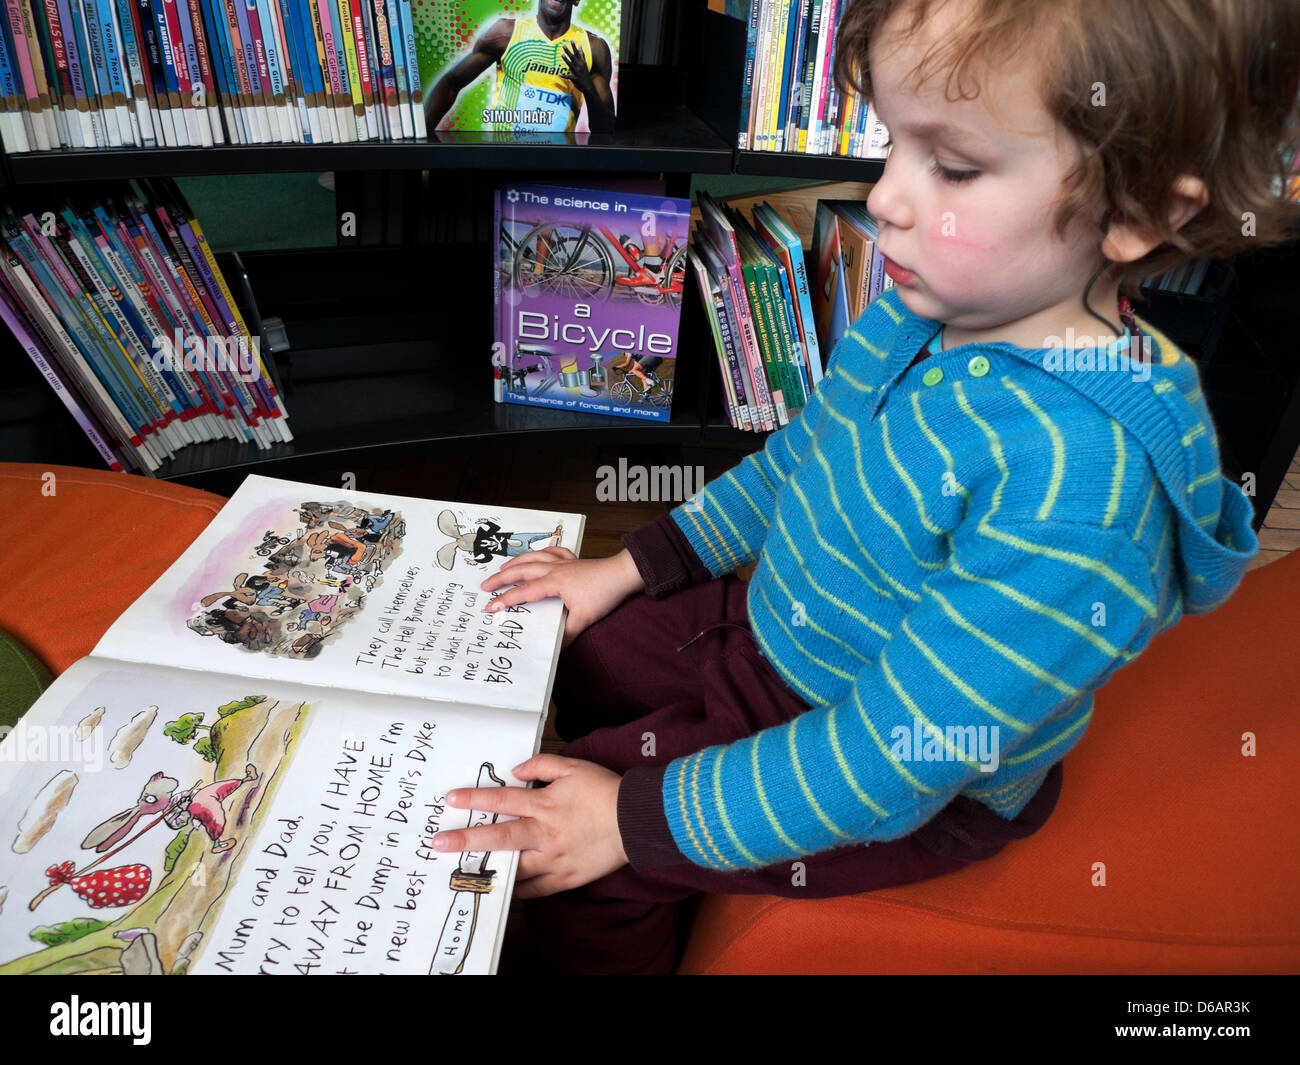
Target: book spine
(400, 74)
(245, 76)
(343, 39)
(795, 96)
(314, 60)
(286, 112)
(820, 86)
(413, 69)
(762, 75)
(54, 48)
(187, 112)
(343, 119)
(264, 121)
(730, 364)
(21, 60)
(758, 309)
(327, 78)
(46, 92)
(268, 14)
(167, 56)
(358, 29)
(793, 340)
(272, 90)
(118, 90)
(226, 53)
(11, 123)
(790, 49)
(146, 32)
(386, 59)
(304, 87)
(204, 64)
(808, 324)
(137, 72)
(782, 354)
(747, 94)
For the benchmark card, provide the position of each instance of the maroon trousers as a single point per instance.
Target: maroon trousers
(675, 675)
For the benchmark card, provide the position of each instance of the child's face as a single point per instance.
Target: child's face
(967, 199)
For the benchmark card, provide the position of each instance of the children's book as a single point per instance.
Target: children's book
(518, 66)
(588, 299)
(247, 772)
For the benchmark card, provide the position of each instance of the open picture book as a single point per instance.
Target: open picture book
(246, 773)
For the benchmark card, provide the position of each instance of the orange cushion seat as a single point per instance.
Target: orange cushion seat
(87, 544)
(1200, 843)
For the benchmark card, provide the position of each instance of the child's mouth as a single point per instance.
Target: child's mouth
(900, 275)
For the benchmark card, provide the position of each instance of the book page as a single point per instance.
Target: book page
(156, 820)
(344, 589)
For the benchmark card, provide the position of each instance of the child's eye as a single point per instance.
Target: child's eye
(953, 177)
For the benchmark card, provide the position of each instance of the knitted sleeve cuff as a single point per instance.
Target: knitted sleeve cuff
(647, 840)
(665, 558)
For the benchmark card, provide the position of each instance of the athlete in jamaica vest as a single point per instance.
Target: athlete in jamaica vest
(546, 70)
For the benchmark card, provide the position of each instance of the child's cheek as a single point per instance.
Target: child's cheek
(963, 252)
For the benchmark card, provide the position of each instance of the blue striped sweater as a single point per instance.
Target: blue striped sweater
(951, 557)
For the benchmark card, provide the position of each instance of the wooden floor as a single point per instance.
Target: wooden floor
(1280, 533)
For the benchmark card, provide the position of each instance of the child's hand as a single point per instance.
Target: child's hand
(568, 831)
(590, 587)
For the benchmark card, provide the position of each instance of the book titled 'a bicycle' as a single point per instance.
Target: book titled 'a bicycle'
(588, 292)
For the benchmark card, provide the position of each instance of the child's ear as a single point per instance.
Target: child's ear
(1125, 244)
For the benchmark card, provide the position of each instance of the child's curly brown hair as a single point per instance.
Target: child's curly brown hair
(1150, 90)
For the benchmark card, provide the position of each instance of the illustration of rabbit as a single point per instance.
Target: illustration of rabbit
(244, 591)
(486, 541)
(157, 795)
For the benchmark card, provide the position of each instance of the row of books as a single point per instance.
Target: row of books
(171, 73)
(756, 293)
(119, 302)
(773, 314)
(790, 101)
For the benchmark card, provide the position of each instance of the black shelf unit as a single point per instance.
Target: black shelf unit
(814, 167)
(673, 138)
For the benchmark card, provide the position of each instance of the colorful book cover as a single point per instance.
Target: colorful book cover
(519, 65)
(588, 294)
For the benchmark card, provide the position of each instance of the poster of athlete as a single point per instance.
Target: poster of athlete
(519, 66)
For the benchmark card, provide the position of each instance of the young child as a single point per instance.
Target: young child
(1003, 489)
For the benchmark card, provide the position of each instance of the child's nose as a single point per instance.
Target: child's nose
(887, 203)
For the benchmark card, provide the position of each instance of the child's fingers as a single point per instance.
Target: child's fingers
(529, 571)
(506, 574)
(543, 767)
(531, 587)
(529, 592)
(501, 836)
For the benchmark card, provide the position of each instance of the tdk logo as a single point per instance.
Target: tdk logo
(102, 1018)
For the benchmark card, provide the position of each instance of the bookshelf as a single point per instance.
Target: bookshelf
(391, 330)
